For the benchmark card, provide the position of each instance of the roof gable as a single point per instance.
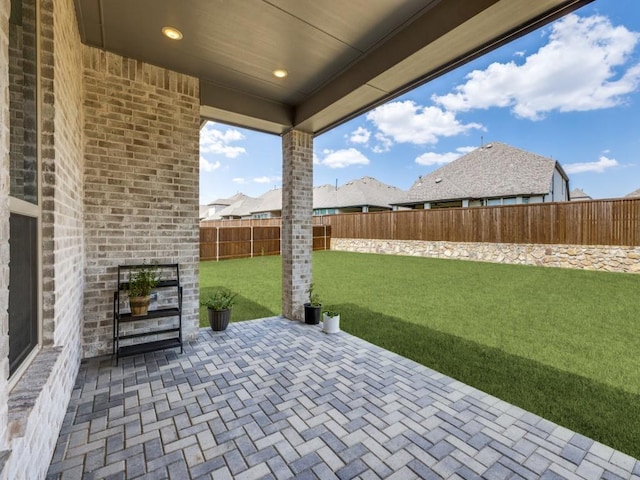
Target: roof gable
(494, 170)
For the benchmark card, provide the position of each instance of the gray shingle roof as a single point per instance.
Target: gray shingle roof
(325, 196)
(356, 193)
(635, 193)
(229, 201)
(269, 201)
(367, 191)
(578, 194)
(495, 170)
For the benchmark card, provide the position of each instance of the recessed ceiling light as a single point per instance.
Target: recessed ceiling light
(172, 33)
(280, 73)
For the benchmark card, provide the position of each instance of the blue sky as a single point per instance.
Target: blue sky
(570, 91)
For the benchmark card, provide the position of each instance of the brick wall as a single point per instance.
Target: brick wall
(37, 403)
(4, 216)
(297, 210)
(141, 182)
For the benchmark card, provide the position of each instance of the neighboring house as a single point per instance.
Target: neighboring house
(268, 205)
(213, 209)
(635, 193)
(363, 195)
(239, 209)
(495, 174)
(578, 195)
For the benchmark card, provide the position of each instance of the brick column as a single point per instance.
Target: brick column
(297, 232)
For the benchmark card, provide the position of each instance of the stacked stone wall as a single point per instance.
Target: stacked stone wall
(585, 257)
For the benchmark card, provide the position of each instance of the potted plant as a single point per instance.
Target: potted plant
(331, 321)
(219, 305)
(312, 308)
(142, 281)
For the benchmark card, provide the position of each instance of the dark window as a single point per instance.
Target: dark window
(23, 288)
(23, 183)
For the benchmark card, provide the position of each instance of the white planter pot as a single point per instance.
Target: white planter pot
(330, 324)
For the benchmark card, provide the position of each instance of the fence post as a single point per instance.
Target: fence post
(251, 239)
(217, 244)
(325, 235)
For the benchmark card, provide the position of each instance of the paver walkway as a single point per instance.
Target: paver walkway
(273, 398)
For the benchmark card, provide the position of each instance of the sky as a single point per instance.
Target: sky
(569, 91)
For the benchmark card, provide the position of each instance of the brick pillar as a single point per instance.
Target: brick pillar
(297, 233)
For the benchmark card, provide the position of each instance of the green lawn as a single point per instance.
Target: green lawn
(561, 343)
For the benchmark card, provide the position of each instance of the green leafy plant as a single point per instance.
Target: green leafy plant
(331, 313)
(143, 280)
(314, 297)
(220, 299)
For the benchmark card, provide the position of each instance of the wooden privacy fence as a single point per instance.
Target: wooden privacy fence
(221, 243)
(597, 222)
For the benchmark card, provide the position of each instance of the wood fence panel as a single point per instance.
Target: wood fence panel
(208, 243)
(597, 222)
(234, 242)
(266, 241)
(222, 243)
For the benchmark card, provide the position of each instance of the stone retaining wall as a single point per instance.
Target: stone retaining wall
(584, 257)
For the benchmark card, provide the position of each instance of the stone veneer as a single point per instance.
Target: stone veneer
(297, 210)
(586, 257)
(141, 184)
(37, 403)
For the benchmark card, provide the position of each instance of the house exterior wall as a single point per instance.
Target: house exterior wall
(4, 218)
(583, 257)
(31, 413)
(559, 188)
(142, 129)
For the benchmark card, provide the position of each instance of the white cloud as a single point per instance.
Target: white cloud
(343, 158)
(432, 158)
(207, 166)
(239, 180)
(600, 166)
(266, 179)
(384, 143)
(406, 122)
(213, 140)
(579, 69)
(360, 135)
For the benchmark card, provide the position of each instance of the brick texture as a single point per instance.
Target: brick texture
(297, 211)
(141, 182)
(37, 402)
(4, 214)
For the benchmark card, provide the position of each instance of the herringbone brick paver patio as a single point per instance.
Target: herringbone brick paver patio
(278, 399)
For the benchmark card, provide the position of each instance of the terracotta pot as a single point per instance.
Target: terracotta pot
(219, 319)
(139, 305)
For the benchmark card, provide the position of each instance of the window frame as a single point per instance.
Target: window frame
(28, 209)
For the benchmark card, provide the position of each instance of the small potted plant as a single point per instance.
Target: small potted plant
(219, 305)
(142, 281)
(312, 308)
(330, 321)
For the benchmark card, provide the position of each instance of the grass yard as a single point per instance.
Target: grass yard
(562, 343)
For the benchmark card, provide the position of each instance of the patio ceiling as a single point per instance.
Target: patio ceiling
(342, 57)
